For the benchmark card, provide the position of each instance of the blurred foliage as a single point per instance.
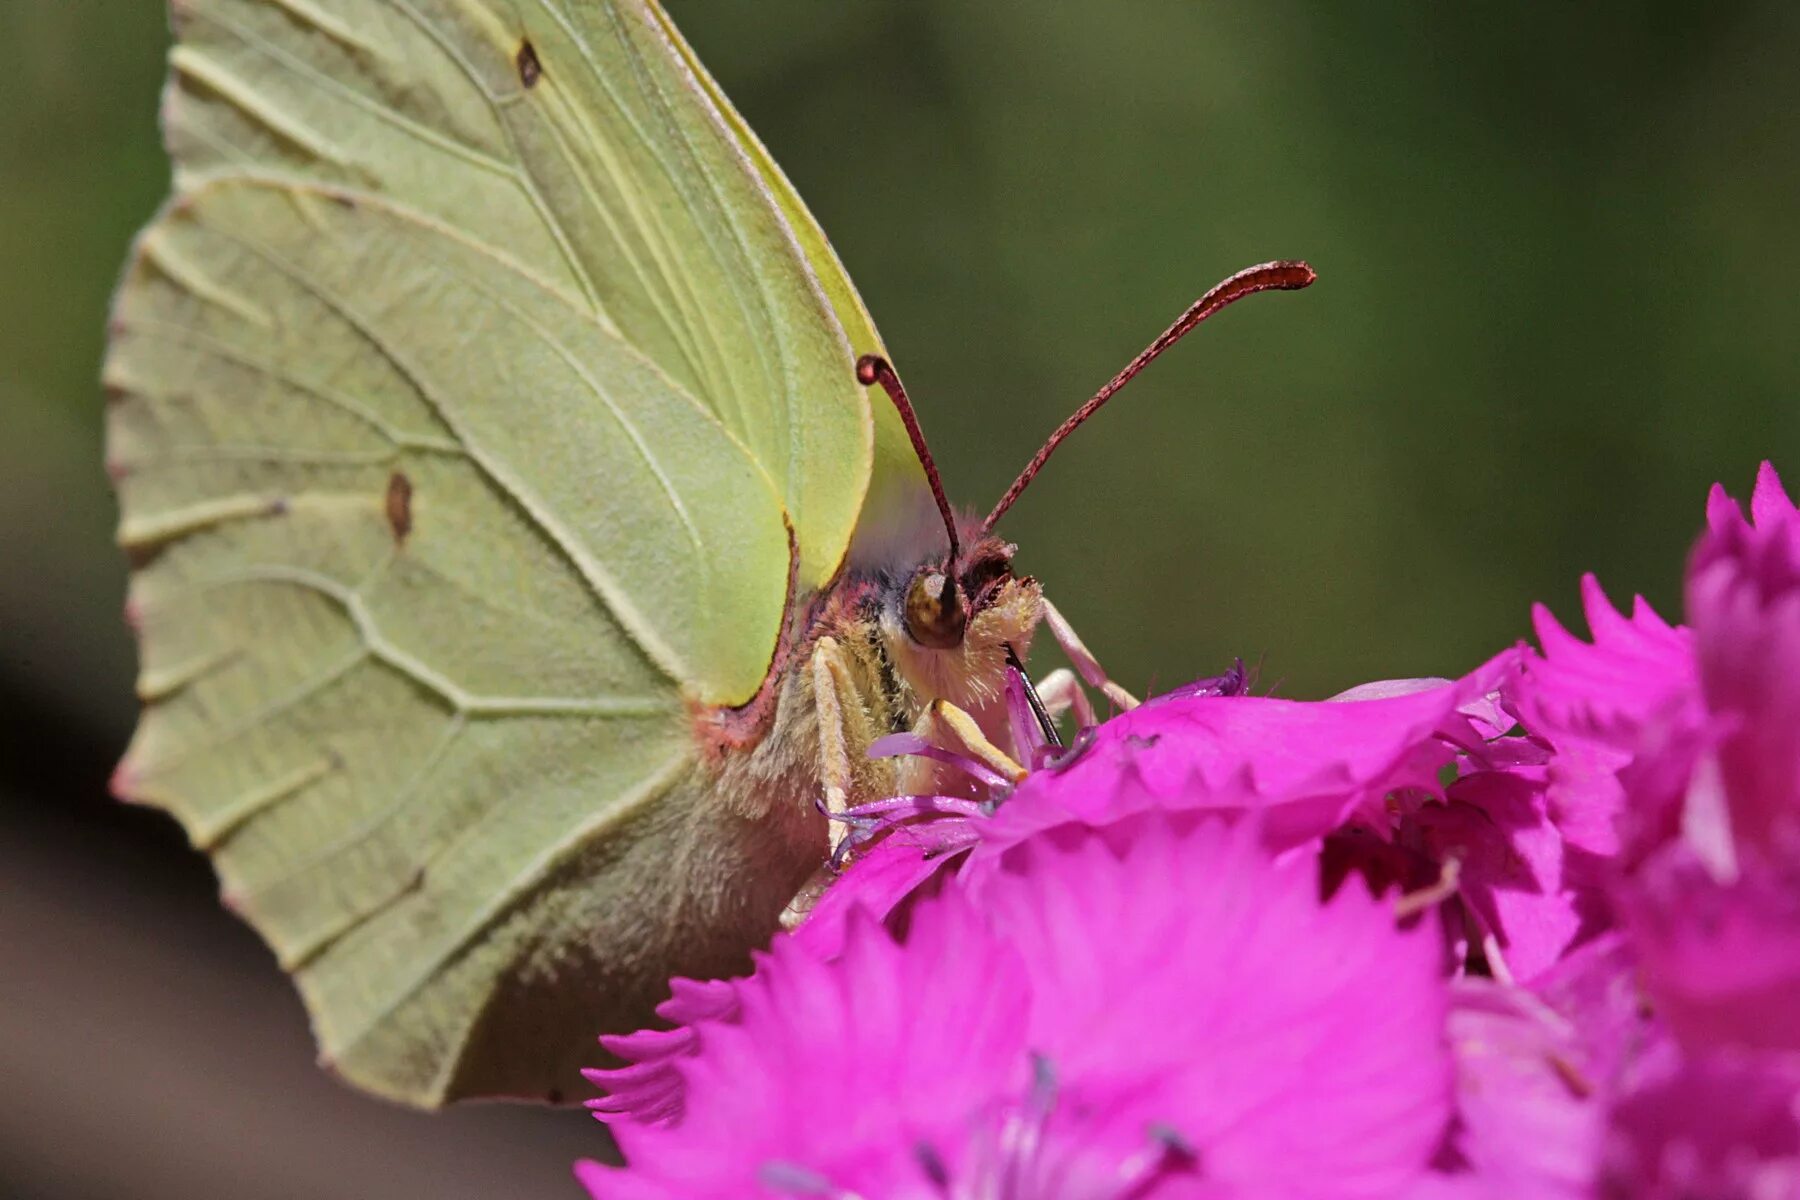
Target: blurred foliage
(1550, 312)
(1553, 252)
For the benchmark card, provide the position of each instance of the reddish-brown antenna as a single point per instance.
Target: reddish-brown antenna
(872, 369)
(1284, 275)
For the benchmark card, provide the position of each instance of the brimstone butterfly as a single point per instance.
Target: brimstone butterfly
(518, 560)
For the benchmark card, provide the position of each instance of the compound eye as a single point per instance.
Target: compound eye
(934, 618)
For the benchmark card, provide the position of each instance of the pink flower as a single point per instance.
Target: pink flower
(1526, 892)
(1367, 771)
(1659, 1060)
(1303, 766)
(1717, 1126)
(1714, 903)
(838, 1072)
(1743, 598)
(1156, 1009)
(1288, 1042)
(1536, 1073)
(650, 1087)
(1577, 1090)
(1119, 978)
(1675, 753)
(1525, 1123)
(1721, 957)
(1629, 693)
(1300, 768)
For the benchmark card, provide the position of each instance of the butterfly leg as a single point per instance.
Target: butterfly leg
(943, 733)
(1086, 665)
(1061, 691)
(945, 725)
(831, 685)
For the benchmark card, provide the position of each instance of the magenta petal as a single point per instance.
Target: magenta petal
(837, 1071)
(1769, 501)
(1596, 990)
(1206, 988)
(1721, 959)
(1527, 1121)
(1103, 1013)
(649, 1087)
(1721, 1125)
(880, 879)
(1497, 827)
(1538, 1071)
(1305, 766)
(1743, 598)
(1630, 693)
(1387, 689)
(1604, 690)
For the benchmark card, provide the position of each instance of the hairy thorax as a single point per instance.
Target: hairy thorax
(849, 672)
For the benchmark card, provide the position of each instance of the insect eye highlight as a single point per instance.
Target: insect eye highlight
(934, 617)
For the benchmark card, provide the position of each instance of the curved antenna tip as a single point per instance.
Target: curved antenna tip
(872, 369)
(1285, 274)
(1282, 274)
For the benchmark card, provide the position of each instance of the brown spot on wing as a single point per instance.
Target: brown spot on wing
(530, 69)
(399, 506)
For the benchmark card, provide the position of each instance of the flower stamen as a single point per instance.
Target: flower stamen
(800, 1181)
(1432, 894)
(1168, 1151)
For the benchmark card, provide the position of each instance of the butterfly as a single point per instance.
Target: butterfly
(523, 555)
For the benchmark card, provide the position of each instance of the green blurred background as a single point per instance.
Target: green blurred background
(1556, 248)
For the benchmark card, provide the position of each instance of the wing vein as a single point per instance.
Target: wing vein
(319, 80)
(605, 589)
(679, 329)
(184, 454)
(320, 940)
(299, 695)
(154, 249)
(330, 26)
(181, 335)
(632, 433)
(447, 690)
(658, 785)
(223, 83)
(726, 369)
(526, 180)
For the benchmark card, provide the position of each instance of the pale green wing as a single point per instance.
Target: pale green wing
(572, 137)
(899, 501)
(465, 400)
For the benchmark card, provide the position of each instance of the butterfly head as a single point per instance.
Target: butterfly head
(948, 633)
(950, 623)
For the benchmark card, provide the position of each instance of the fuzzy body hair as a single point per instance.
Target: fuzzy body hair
(892, 681)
